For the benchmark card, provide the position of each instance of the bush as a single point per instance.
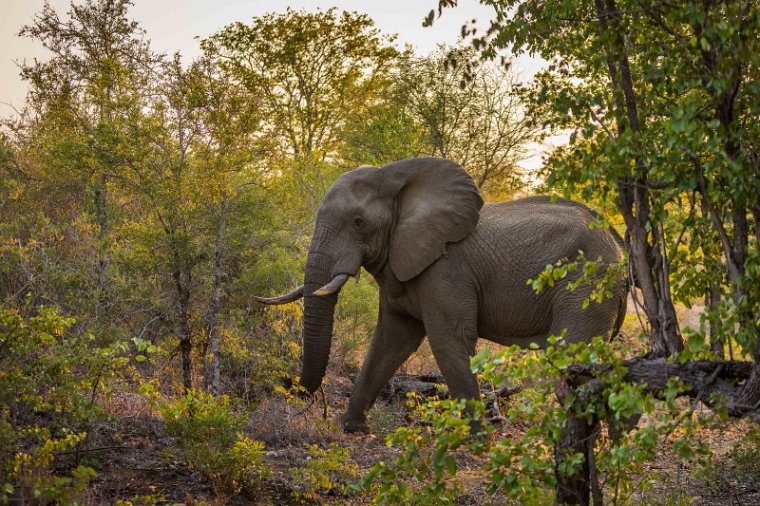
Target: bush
(260, 352)
(210, 440)
(425, 471)
(32, 470)
(49, 380)
(325, 471)
(522, 467)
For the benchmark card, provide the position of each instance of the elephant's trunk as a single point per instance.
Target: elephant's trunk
(317, 320)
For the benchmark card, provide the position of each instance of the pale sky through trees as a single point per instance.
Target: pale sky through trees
(172, 25)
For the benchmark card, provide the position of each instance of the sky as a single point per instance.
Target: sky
(173, 25)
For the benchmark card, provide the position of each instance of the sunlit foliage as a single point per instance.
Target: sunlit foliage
(145, 197)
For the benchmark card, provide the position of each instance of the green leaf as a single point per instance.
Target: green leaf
(451, 464)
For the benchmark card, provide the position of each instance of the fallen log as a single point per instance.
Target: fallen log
(729, 385)
(425, 385)
(732, 386)
(429, 385)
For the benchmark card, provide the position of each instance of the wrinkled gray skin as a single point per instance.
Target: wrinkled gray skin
(449, 268)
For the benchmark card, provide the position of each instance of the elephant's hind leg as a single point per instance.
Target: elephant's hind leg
(582, 324)
(396, 338)
(453, 335)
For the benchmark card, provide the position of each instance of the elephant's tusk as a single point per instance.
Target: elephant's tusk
(356, 277)
(282, 299)
(333, 286)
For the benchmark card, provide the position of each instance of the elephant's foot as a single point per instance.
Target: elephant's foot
(352, 423)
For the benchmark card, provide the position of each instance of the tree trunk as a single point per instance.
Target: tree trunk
(575, 486)
(729, 385)
(647, 256)
(712, 300)
(185, 343)
(100, 199)
(182, 281)
(649, 264)
(216, 302)
(187, 367)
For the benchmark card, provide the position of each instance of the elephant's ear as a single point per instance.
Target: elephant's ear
(438, 202)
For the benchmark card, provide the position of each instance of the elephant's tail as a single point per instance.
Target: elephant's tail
(622, 310)
(630, 279)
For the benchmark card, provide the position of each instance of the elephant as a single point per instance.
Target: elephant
(448, 267)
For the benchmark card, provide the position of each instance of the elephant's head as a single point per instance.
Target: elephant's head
(399, 216)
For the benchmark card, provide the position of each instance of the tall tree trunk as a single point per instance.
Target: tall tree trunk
(735, 249)
(100, 199)
(185, 343)
(578, 437)
(646, 242)
(647, 255)
(216, 302)
(186, 348)
(182, 281)
(712, 300)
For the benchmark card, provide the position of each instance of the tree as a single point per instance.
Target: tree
(312, 70)
(195, 135)
(660, 98)
(315, 72)
(449, 105)
(160, 196)
(468, 112)
(661, 118)
(227, 154)
(386, 131)
(80, 100)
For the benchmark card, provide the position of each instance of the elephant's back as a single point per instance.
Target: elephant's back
(515, 241)
(545, 230)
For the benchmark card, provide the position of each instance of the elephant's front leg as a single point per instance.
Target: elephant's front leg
(396, 337)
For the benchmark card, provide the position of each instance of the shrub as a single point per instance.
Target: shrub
(210, 439)
(325, 471)
(425, 471)
(49, 380)
(32, 470)
(522, 467)
(142, 500)
(260, 353)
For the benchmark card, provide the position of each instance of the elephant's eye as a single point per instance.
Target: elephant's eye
(358, 223)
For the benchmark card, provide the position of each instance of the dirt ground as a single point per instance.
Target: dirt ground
(133, 465)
